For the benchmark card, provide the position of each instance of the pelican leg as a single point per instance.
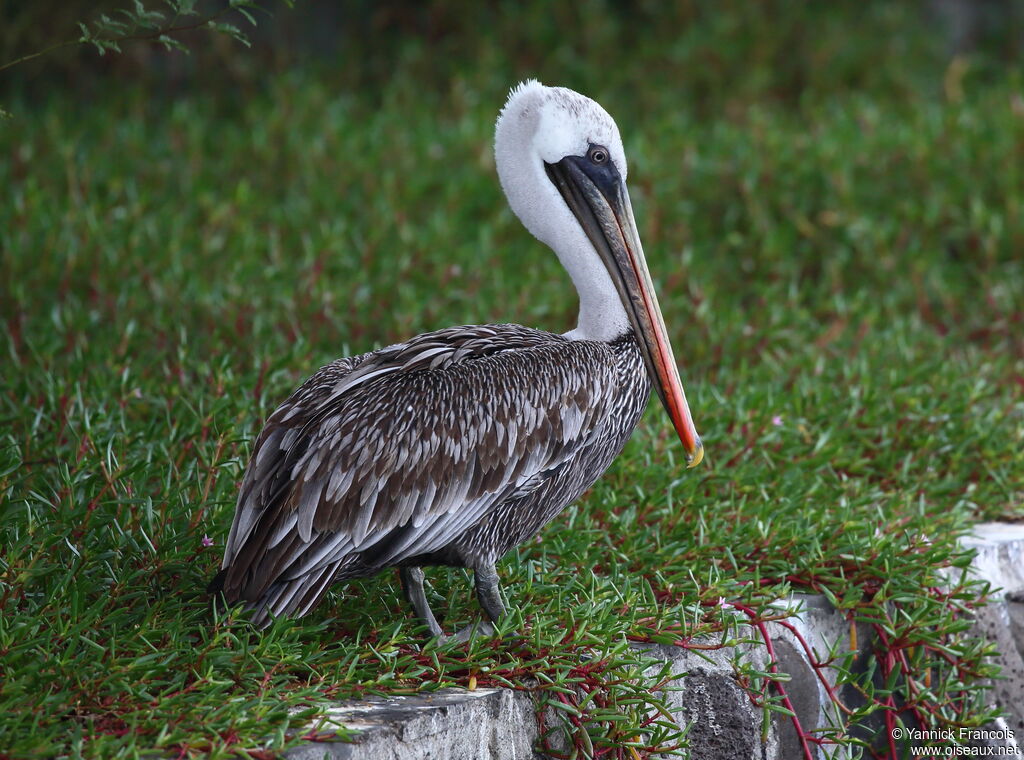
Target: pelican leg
(488, 592)
(489, 595)
(412, 588)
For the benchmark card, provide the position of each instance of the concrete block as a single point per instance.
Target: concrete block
(1000, 561)
(1000, 557)
(451, 724)
(723, 722)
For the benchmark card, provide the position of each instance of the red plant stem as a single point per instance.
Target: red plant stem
(890, 723)
(891, 653)
(762, 628)
(816, 665)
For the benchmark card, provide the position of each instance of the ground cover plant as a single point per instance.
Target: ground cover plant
(833, 224)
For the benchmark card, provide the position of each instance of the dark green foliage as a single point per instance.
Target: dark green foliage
(832, 217)
(161, 24)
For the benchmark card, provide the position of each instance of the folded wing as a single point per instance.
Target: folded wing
(394, 454)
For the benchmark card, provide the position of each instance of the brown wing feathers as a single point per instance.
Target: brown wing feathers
(395, 453)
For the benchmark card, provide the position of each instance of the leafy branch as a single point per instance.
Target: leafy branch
(142, 24)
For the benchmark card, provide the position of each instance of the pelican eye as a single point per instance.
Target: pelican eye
(598, 155)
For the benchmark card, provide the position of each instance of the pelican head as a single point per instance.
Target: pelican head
(562, 167)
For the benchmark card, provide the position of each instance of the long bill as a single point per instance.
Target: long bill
(598, 198)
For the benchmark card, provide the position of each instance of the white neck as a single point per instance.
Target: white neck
(537, 203)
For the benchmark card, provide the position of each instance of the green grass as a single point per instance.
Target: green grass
(836, 242)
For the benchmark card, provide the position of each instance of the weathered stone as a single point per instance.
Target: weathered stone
(823, 630)
(1000, 556)
(723, 722)
(452, 724)
(1000, 561)
(803, 693)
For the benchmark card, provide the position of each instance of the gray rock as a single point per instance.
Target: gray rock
(723, 722)
(1000, 561)
(451, 724)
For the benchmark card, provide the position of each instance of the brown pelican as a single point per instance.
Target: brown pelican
(460, 444)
